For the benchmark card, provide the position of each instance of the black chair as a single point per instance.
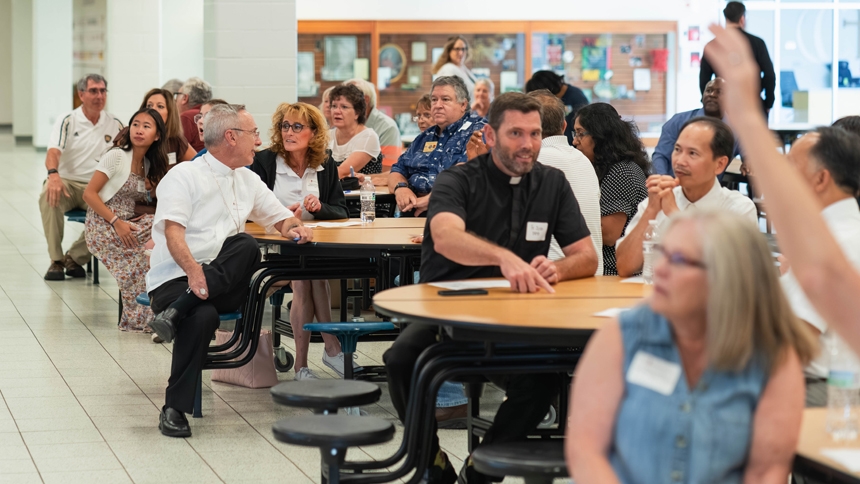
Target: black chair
(333, 435)
(536, 461)
(325, 396)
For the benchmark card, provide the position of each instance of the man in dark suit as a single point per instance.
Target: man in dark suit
(735, 13)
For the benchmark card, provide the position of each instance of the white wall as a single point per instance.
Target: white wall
(22, 67)
(132, 54)
(52, 65)
(5, 61)
(181, 40)
(250, 54)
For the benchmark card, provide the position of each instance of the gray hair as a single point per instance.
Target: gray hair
(490, 86)
(366, 88)
(173, 85)
(217, 121)
(197, 90)
(97, 78)
(454, 82)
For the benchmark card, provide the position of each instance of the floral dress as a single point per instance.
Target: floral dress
(128, 266)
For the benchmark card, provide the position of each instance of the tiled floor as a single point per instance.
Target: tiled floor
(79, 399)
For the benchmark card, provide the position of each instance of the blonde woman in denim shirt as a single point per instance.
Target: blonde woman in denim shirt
(704, 382)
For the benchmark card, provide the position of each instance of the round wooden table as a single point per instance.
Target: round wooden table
(809, 460)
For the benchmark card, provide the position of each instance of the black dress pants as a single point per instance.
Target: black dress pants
(228, 278)
(528, 395)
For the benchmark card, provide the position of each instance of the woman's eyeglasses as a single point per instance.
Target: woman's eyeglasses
(421, 116)
(296, 127)
(461, 49)
(677, 259)
(581, 134)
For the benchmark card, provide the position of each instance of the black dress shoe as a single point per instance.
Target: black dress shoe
(173, 423)
(164, 324)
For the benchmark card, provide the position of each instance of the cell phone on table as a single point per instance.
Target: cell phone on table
(463, 292)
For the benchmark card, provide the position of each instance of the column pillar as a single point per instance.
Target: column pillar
(53, 86)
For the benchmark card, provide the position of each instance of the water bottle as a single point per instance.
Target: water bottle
(648, 252)
(368, 201)
(843, 391)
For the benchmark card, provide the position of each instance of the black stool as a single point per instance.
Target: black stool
(536, 461)
(325, 396)
(333, 435)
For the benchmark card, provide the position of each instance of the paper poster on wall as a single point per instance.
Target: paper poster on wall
(306, 85)
(436, 53)
(340, 52)
(695, 59)
(641, 79)
(419, 51)
(508, 82)
(361, 69)
(481, 72)
(693, 34)
(383, 77)
(595, 62)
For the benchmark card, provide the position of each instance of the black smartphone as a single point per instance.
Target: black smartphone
(464, 292)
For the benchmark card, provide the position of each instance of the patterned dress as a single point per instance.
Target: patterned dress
(128, 266)
(621, 190)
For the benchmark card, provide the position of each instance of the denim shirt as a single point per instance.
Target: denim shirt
(661, 160)
(696, 436)
(421, 167)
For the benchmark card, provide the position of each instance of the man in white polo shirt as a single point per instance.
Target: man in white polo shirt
(77, 142)
(556, 152)
(823, 158)
(702, 151)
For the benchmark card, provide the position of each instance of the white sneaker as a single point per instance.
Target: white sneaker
(336, 363)
(156, 339)
(305, 373)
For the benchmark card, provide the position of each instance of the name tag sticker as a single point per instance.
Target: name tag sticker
(171, 158)
(141, 186)
(536, 231)
(465, 126)
(430, 146)
(653, 373)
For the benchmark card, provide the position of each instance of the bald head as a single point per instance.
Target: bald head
(712, 96)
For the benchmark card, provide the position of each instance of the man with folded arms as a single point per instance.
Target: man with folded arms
(494, 217)
(202, 261)
(702, 151)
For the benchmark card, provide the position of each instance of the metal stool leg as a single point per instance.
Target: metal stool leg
(95, 270)
(198, 398)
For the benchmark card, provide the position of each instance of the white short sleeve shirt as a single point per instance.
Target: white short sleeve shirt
(82, 143)
(365, 141)
(290, 188)
(212, 202)
(843, 219)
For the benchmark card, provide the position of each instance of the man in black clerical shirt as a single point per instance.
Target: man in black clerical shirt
(493, 216)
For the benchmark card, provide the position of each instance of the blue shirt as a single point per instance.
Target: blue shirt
(422, 162)
(662, 157)
(200, 153)
(698, 435)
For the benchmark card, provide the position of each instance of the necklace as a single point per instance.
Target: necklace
(238, 218)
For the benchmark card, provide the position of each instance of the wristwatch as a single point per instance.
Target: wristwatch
(52, 171)
(400, 185)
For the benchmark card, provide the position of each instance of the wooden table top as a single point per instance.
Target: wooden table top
(416, 224)
(352, 236)
(589, 288)
(814, 438)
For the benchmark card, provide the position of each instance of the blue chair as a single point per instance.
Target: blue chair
(143, 299)
(80, 216)
(348, 334)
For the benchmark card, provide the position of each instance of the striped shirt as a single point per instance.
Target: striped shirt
(81, 143)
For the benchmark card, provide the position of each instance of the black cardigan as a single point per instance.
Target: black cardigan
(331, 194)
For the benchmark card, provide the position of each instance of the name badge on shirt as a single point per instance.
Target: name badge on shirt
(465, 126)
(171, 158)
(536, 231)
(141, 186)
(312, 185)
(653, 373)
(430, 146)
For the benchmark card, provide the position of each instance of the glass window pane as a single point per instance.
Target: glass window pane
(848, 95)
(806, 43)
(326, 60)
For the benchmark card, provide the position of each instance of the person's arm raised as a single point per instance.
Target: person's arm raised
(827, 278)
(451, 240)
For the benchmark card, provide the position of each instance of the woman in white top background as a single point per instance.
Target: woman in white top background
(452, 62)
(352, 144)
(297, 168)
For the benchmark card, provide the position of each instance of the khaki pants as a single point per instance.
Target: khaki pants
(54, 222)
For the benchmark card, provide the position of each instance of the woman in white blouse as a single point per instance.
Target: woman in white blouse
(352, 144)
(452, 62)
(297, 168)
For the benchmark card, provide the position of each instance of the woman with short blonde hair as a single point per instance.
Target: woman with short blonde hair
(703, 382)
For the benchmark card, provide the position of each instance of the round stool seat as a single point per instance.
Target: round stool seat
(333, 431)
(348, 333)
(143, 300)
(77, 215)
(533, 458)
(326, 394)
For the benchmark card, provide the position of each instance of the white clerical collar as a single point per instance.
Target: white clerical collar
(515, 180)
(216, 165)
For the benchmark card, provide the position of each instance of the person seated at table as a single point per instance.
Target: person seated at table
(423, 116)
(493, 217)
(113, 233)
(452, 62)
(436, 149)
(577, 169)
(325, 106)
(704, 381)
(198, 118)
(484, 94)
(386, 128)
(353, 145)
(203, 261)
(662, 158)
(570, 95)
(702, 151)
(614, 148)
(835, 180)
(297, 168)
